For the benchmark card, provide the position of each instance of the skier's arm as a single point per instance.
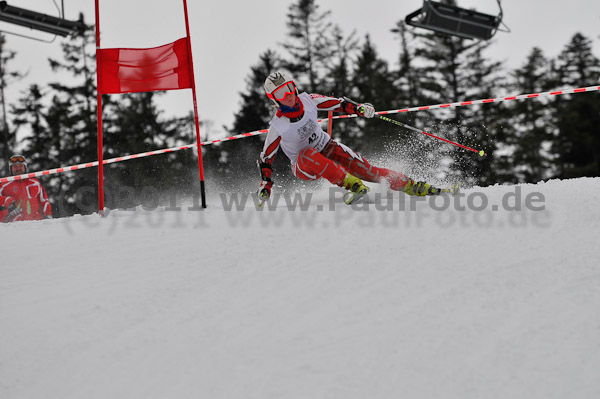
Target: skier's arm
(45, 204)
(3, 208)
(9, 209)
(267, 156)
(325, 103)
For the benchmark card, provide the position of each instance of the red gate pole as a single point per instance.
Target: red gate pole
(196, 121)
(330, 122)
(99, 117)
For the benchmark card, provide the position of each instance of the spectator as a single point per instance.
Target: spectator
(23, 199)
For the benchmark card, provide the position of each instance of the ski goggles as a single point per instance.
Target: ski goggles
(282, 91)
(17, 159)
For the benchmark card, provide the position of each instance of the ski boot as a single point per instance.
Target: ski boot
(421, 188)
(356, 187)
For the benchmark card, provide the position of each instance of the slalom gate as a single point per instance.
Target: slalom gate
(257, 132)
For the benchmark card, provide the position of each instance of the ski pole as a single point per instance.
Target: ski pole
(414, 129)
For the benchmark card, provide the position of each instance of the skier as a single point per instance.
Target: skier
(312, 152)
(23, 199)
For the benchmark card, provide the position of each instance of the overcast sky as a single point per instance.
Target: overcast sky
(228, 37)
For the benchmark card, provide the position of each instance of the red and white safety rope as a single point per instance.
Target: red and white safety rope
(257, 132)
(482, 101)
(92, 164)
(125, 158)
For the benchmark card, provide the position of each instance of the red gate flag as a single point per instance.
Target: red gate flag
(127, 70)
(130, 70)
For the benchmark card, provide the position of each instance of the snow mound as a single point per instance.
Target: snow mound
(314, 299)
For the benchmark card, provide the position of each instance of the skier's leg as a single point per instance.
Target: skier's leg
(360, 167)
(312, 165)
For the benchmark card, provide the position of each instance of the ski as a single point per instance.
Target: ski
(352, 197)
(261, 199)
(453, 190)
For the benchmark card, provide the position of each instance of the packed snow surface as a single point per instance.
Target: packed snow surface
(319, 301)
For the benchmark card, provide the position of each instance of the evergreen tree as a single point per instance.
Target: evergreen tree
(44, 144)
(61, 129)
(483, 126)
(439, 58)
(530, 127)
(7, 76)
(31, 114)
(408, 79)
(310, 45)
(73, 110)
(65, 133)
(256, 109)
(450, 69)
(78, 94)
(413, 87)
(134, 125)
(338, 82)
(373, 82)
(234, 162)
(577, 143)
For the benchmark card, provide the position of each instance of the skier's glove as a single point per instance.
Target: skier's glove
(366, 110)
(13, 211)
(265, 170)
(264, 191)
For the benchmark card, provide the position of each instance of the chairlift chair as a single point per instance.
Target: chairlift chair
(38, 21)
(455, 21)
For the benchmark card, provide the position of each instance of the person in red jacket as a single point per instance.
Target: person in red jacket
(23, 199)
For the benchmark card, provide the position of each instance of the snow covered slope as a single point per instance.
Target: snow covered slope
(315, 303)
